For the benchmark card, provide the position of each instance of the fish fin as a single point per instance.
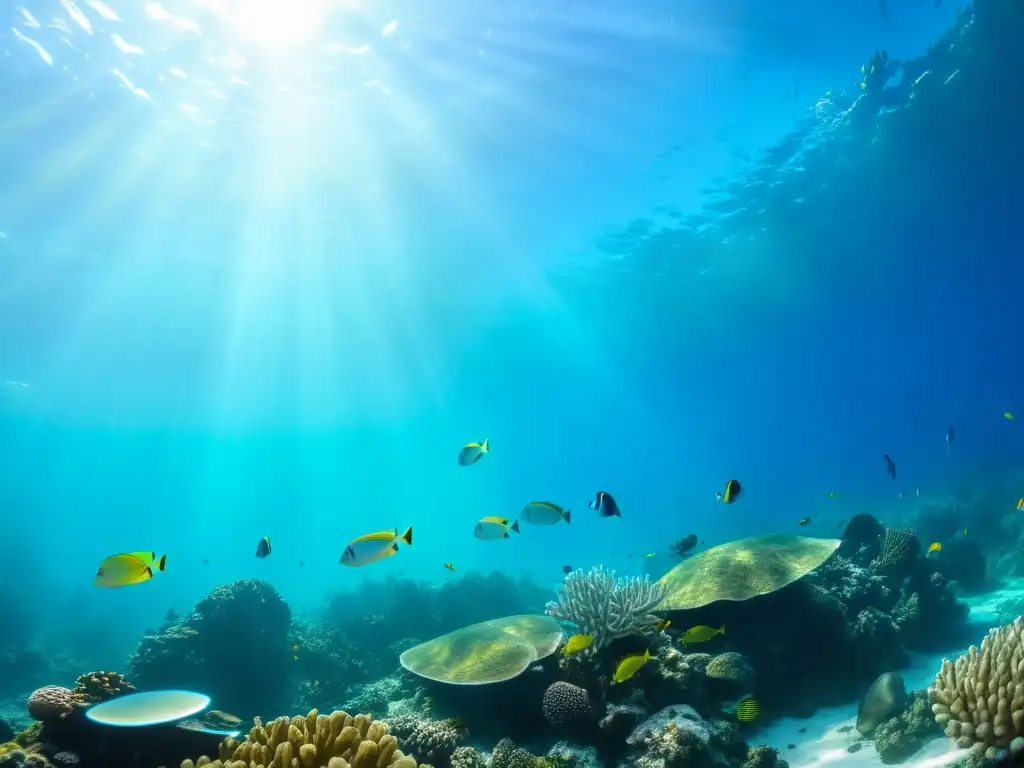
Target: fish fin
(647, 653)
(721, 630)
(148, 572)
(394, 547)
(485, 446)
(407, 536)
(568, 515)
(514, 526)
(161, 563)
(506, 534)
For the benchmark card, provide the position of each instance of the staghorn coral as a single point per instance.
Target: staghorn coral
(607, 608)
(312, 741)
(898, 548)
(979, 698)
(565, 703)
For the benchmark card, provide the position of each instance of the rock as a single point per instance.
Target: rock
(886, 697)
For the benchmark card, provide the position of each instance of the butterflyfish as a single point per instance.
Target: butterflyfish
(128, 568)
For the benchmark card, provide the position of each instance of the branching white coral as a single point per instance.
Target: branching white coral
(605, 607)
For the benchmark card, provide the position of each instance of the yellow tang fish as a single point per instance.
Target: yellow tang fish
(1020, 504)
(493, 527)
(662, 625)
(935, 546)
(128, 568)
(577, 643)
(471, 453)
(701, 633)
(748, 710)
(630, 665)
(374, 546)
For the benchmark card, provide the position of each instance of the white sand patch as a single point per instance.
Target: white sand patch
(819, 741)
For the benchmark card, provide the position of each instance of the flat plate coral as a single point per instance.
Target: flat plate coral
(488, 652)
(149, 708)
(743, 569)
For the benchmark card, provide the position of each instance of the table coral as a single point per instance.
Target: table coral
(312, 741)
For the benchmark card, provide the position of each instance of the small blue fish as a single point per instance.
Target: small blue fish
(949, 437)
(263, 548)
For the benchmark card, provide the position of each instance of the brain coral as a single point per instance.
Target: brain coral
(740, 570)
(51, 702)
(313, 741)
(488, 652)
(565, 703)
(979, 698)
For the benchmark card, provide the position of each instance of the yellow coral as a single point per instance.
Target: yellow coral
(314, 741)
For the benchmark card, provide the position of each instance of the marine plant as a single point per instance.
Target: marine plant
(897, 548)
(607, 608)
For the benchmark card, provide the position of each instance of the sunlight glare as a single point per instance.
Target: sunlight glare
(275, 24)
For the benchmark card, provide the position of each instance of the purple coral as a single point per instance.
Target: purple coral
(565, 703)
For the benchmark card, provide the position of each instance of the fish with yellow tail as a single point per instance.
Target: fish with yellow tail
(471, 453)
(630, 665)
(935, 546)
(701, 634)
(577, 643)
(493, 528)
(748, 710)
(128, 568)
(545, 513)
(662, 625)
(373, 547)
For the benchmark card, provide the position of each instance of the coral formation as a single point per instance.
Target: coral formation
(899, 737)
(740, 570)
(763, 756)
(897, 548)
(565, 703)
(234, 646)
(487, 652)
(467, 757)
(428, 741)
(51, 702)
(607, 608)
(979, 698)
(312, 741)
(732, 670)
(677, 736)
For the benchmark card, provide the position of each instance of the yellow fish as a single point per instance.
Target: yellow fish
(1007, 415)
(471, 453)
(804, 521)
(1020, 504)
(748, 710)
(128, 568)
(577, 643)
(494, 527)
(374, 546)
(935, 546)
(662, 625)
(701, 633)
(965, 531)
(630, 665)
(449, 566)
(649, 554)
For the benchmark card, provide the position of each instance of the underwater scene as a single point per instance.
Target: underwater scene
(533, 384)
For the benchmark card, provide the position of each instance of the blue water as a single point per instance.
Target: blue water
(264, 276)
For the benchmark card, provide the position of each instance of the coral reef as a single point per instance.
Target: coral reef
(428, 741)
(606, 608)
(313, 741)
(507, 755)
(899, 737)
(897, 548)
(234, 646)
(979, 698)
(677, 736)
(51, 702)
(566, 703)
(732, 672)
